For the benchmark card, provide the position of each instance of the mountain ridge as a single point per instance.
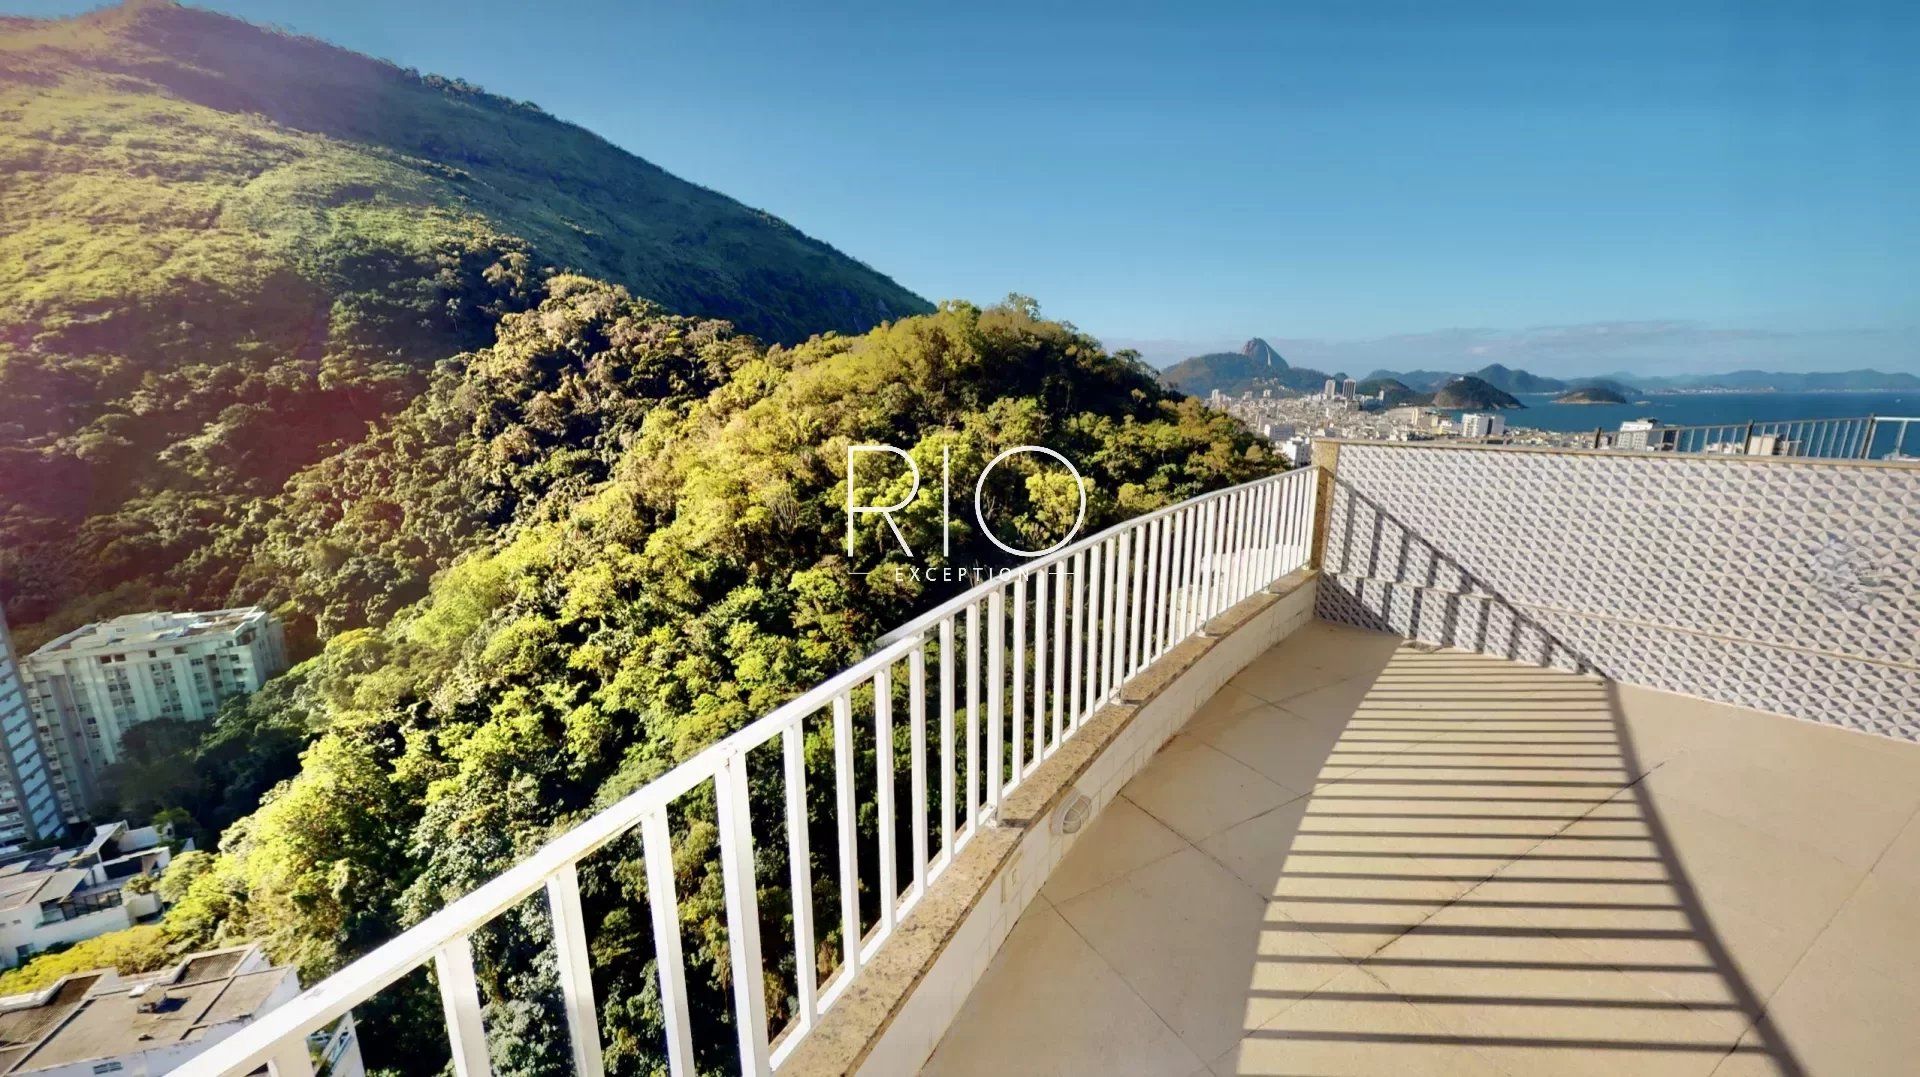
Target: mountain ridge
(236, 249)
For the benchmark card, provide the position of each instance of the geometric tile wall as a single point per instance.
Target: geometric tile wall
(1786, 586)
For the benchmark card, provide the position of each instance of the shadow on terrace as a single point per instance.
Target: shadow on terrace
(1369, 855)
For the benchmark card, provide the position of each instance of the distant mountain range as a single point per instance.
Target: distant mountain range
(1257, 366)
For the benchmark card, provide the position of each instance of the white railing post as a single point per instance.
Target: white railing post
(1141, 559)
(1109, 619)
(996, 691)
(1060, 645)
(917, 760)
(851, 937)
(973, 716)
(664, 905)
(1017, 687)
(460, 1001)
(1040, 635)
(743, 915)
(1076, 644)
(947, 817)
(576, 970)
(800, 871)
(290, 1060)
(883, 796)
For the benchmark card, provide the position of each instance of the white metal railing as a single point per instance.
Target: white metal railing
(1036, 651)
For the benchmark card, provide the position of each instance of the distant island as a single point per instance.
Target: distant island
(1474, 394)
(1592, 394)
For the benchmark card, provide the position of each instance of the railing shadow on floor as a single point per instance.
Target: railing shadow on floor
(1481, 843)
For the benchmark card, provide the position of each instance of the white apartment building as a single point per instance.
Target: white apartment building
(1482, 425)
(88, 687)
(100, 1023)
(29, 807)
(1638, 434)
(54, 897)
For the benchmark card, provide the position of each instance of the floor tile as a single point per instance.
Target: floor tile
(1120, 839)
(1352, 1026)
(1201, 948)
(1049, 1004)
(1198, 790)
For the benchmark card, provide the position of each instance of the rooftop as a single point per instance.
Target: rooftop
(1367, 855)
(136, 630)
(94, 1015)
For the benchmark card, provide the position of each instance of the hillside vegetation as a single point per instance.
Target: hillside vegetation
(224, 251)
(671, 568)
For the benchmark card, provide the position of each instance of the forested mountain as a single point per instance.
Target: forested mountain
(1468, 391)
(672, 569)
(226, 250)
(1256, 366)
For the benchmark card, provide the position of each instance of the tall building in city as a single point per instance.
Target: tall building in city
(1350, 389)
(88, 687)
(29, 809)
(1332, 389)
(1482, 425)
(1638, 434)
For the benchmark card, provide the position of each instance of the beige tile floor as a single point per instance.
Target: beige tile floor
(1363, 857)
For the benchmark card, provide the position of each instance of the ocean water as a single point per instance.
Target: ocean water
(1699, 409)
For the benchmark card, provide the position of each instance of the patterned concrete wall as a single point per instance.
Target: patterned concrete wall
(1791, 587)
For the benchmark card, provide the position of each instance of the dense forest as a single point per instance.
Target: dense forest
(668, 567)
(227, 250)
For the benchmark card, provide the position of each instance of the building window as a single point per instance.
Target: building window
(107, 1067)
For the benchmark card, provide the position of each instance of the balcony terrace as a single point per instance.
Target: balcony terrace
(1367, 856)
(1449, 760)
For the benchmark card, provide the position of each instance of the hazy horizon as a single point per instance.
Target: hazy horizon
(1648, 349)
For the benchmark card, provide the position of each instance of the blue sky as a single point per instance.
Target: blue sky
(1648, 187)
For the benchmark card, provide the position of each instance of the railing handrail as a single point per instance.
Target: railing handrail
(441, 938)
(1000, 578)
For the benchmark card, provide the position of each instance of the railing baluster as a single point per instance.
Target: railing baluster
(947, 657)
(1250, 542)
(996, 691)
(883, 797)
(743, 914)
(973, 716)
(1157, 623)
(800, 872)
(850, 932)
(1141, 551)
(1110, 620)
(664, 905)
(1040, 634)
(1017, 688)
(1266, 558)
(917, 759)
(1096, 623)
(460, 1001)
(576, 971)
(1077, 643)
(291, 1060)
(1060, 645)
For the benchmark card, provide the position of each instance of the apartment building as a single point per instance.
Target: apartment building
(90, 686)
(29, 807)
(97, 1023)
(1482, 425)
(55, 897)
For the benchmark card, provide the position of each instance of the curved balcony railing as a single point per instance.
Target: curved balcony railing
(1021, 660)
